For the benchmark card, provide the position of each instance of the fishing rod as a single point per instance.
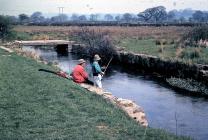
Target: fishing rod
(59, 73)
(108, 65)
(65, 75)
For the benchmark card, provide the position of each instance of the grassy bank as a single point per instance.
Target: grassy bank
(38, 105)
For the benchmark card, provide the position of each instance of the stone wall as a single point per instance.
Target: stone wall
(164, 67)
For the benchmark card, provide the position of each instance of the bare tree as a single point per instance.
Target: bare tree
(13, 19)
(199, 16)
(23, 18)
(93, 17)
(117, 18)
(146, 15)
(98, 42)
(171, 16)
(127, 17)
(74, 17)
(155, 14)
(160, 13)
(182, 19)
(82, 18)
(36, 17)
(108, 17)
(59, 18)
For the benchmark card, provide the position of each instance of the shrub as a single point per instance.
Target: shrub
(197, 34)
(97, 41)
(5, 28)
(41, 37)
(157, 42)
(190, 54)
(161, 42)
(172, 42)
(178, 52)
(195, 54)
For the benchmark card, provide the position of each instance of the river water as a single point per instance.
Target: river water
(165, 108)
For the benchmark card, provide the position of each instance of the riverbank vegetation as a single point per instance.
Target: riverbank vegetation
(188, 84)
(98, 43)
(6, 32)
(43, 106)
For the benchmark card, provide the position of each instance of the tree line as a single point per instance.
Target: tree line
(155, 15)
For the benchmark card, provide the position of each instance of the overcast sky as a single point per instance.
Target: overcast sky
(16, 7)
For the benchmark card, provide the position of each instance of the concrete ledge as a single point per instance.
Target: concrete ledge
(6, 49)
(44, 42)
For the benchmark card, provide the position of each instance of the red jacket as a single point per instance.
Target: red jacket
(79, 74)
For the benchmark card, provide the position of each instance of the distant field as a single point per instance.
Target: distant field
(170, 32)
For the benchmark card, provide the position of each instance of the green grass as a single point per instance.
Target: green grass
(145, 46)
(13, 35)
(40, 36)
(149, 47)
(38, 105)
(203, 58)
(22, 36)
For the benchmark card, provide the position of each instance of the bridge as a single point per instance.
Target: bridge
(61, 46)
(44, 42)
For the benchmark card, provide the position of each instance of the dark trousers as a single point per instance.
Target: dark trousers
(87, 81)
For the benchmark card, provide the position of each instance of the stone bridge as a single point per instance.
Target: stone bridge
(59, 45)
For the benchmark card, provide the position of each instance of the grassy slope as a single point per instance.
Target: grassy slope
(38, 105)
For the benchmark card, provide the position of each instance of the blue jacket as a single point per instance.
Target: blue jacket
(96, 69)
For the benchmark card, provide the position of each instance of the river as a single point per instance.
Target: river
(166, 108)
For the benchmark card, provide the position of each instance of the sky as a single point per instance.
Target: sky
(16, 7)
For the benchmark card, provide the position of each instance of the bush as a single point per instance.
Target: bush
(196, 35)
(161, 42)
(178, 52)
(5, 28)
(97, 41)
(157, 42)
(191, 54)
